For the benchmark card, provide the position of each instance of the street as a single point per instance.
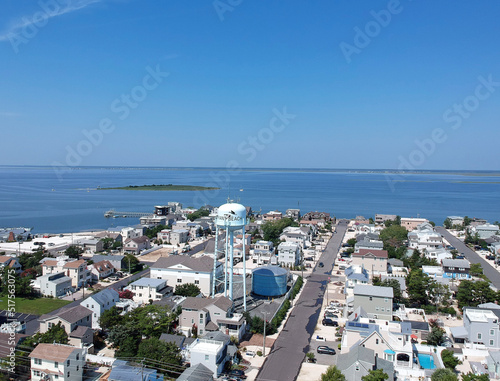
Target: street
(286, 357)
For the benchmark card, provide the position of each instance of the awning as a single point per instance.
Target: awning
(459, 332)
(389, 352)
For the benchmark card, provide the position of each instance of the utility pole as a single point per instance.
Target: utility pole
(264, 343)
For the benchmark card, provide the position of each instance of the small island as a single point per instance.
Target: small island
(161, 187)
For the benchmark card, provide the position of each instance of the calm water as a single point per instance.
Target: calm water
(36, 197)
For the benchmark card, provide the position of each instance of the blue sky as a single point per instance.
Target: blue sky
(235, 68)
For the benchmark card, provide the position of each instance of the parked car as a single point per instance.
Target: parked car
(490, 257)
(309, 259)
(330, 322)
(321, 264)
(330, 315)
(325, 350)
(113, 278)
(460, 256)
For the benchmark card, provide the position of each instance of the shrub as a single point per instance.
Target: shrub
(259, 353)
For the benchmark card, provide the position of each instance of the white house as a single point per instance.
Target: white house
(178, 236)
(288, 254)
(183, 269)
(101, 270)
(57, 361)
(486, 230)
(263, 253)
(211, 352)
(424, 238)
(100, 302)
(10, 262)
(55, 285)
(145, 289)
(136, 245)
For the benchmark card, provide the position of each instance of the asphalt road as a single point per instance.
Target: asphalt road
(488, 270)
(289, 350)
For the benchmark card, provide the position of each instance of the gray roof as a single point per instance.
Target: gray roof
(211, 326)
(176, 339)
(148, 282)
(357, 353)
(198, 372)
(489, 306)
(352, 274)
(71, 315)
(418, 325)
(365, 289)
(459, 332)
(223, 303)
(395, 262)
(400, 279)
(98, 258)
(386, 366)
(194, 303)
(104, 296)
(217, 336)
(81, 331)
(202, 264)
(456, 263)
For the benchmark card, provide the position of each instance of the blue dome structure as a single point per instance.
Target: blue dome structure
(269, 281)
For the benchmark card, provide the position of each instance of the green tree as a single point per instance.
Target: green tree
(396, 287)
(447, 223)
(473, 377)
(444, 375)
(375, 375)
(273, 229)
(476, 269)
(436, 336)
(467, 221)
(472, 294)
(31, 260)
(449, 359)
(187, 289)
(110, 318)
(133, 263)
(152, 320)
(153, 231)
(417, 283)
(202, 212)
(55, 334)
(332, 374)
(352, 242)
(73, 252)
(168, 354)
(125, 338)
(393, 235)
(439, 294)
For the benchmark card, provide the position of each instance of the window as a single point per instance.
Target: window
(492, 342)
(179, 280)
(376, 341)
(56, 364)
(68, 374)
(196, 281)
(377, 308)
(371, 298)
(207, 357)
(77, 368)
(77, 356)
(51, 325)
(67, 363)
(36, 373)
(386, 300)
(492, 332)
(37, 361)
(479, 336)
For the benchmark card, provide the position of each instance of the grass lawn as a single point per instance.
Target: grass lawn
(38, 306)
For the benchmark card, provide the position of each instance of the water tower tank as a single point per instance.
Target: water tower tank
(231, 215)
(269, 281)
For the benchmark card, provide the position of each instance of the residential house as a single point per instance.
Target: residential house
(117, 261)
(294, 214)
(456, 268)
(198, 372)
(360, 361)
(375, 300)
(412, 223)
(456, 220)
(78, 272)
(69, 318)
(55, 285)
(91, 245)
(369, 244)
(263, 253)
(179, 236)
(210, 315)
(11, 263)
(153, 220)
(485, 231)
(211, 351)
(360, 220)
(482, 326)
(136, 245)
(182, 269)
(289, 254)
(375, 261)
(295, 235)
(146, 289)
(438, 254)
(82, 337)
(115, 236)
(356, 275)
(317, 216)
(57, 361)
(272, 216)
(130, 232)
(100, 302)
(381, 218)
(425, 238)
(101, 270)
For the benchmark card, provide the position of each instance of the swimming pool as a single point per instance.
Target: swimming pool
(426, 361)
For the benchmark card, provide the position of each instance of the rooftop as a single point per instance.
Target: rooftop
(364, 289)
(53, 352)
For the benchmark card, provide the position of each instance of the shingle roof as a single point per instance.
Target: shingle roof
(211, 326)
(198, 372)
(223, 303)
(71, 315)
(4, 258)
(365, 289)
(103, 266)
(192, 303)
(104, 296)
(53, 352)
(375, 253)
(148, 282)
(202, 264)
(456, 263)
(80, 331)
(74, 264)
(176, 339)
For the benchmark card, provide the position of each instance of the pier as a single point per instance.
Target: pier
(116, 214)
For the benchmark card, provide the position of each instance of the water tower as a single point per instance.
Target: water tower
(231, 217)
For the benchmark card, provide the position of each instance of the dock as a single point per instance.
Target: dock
(116, 214)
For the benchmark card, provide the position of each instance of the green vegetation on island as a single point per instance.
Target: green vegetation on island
(161, 187)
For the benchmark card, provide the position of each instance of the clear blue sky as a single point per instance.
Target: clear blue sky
(65, 70)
